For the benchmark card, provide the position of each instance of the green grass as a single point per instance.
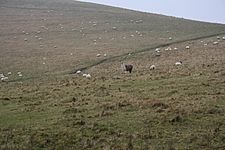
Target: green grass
(173, 112)
(167, 108)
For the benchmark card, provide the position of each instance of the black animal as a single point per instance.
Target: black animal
(128, 68)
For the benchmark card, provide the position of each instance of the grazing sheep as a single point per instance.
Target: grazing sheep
(218, 37)
(170, 38)
(105, 55)
(128, 68)
(88, 76)
(2, 75)
(157, 50)
(19, 74)
(215, 43)
(139, 21)
(187, 47)
(78, 72)
(152, 67)
(4, 79)
(9, 73)
(224, 38)
(168, 49)
(84, 75)
(178, 63)
(98, 55)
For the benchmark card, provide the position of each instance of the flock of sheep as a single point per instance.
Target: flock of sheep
(125, 67)
(129, 67)
(5, 78)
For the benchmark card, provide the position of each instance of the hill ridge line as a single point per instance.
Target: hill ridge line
(144, 50)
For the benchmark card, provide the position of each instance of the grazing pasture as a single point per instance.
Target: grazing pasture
(62, 86)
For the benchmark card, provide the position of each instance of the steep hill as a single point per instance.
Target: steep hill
(47, 107)
(68, 34)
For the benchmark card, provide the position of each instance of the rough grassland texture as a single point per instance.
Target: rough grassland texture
(171, 107)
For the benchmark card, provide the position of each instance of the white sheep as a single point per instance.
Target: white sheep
(187, 47)
(2, 75)
(19, 74)
(224, 38)
(9, 73)
(88, 76)
(98, 55)
(215, 43)
(4, 79)
(105, 55)
(139, 21)
(84, 75)
(157, 50)
(170, 38)
(169, 48)
(152, 67)
(78, 72)
(175, 48)
(178, 63)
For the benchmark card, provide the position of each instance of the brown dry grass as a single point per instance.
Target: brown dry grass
(171, 107)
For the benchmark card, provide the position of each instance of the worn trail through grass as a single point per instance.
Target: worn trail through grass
(144, 50)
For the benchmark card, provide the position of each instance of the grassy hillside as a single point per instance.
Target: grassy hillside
(171, 107)
(68, 34)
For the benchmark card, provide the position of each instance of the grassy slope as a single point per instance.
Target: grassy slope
(168, 108)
